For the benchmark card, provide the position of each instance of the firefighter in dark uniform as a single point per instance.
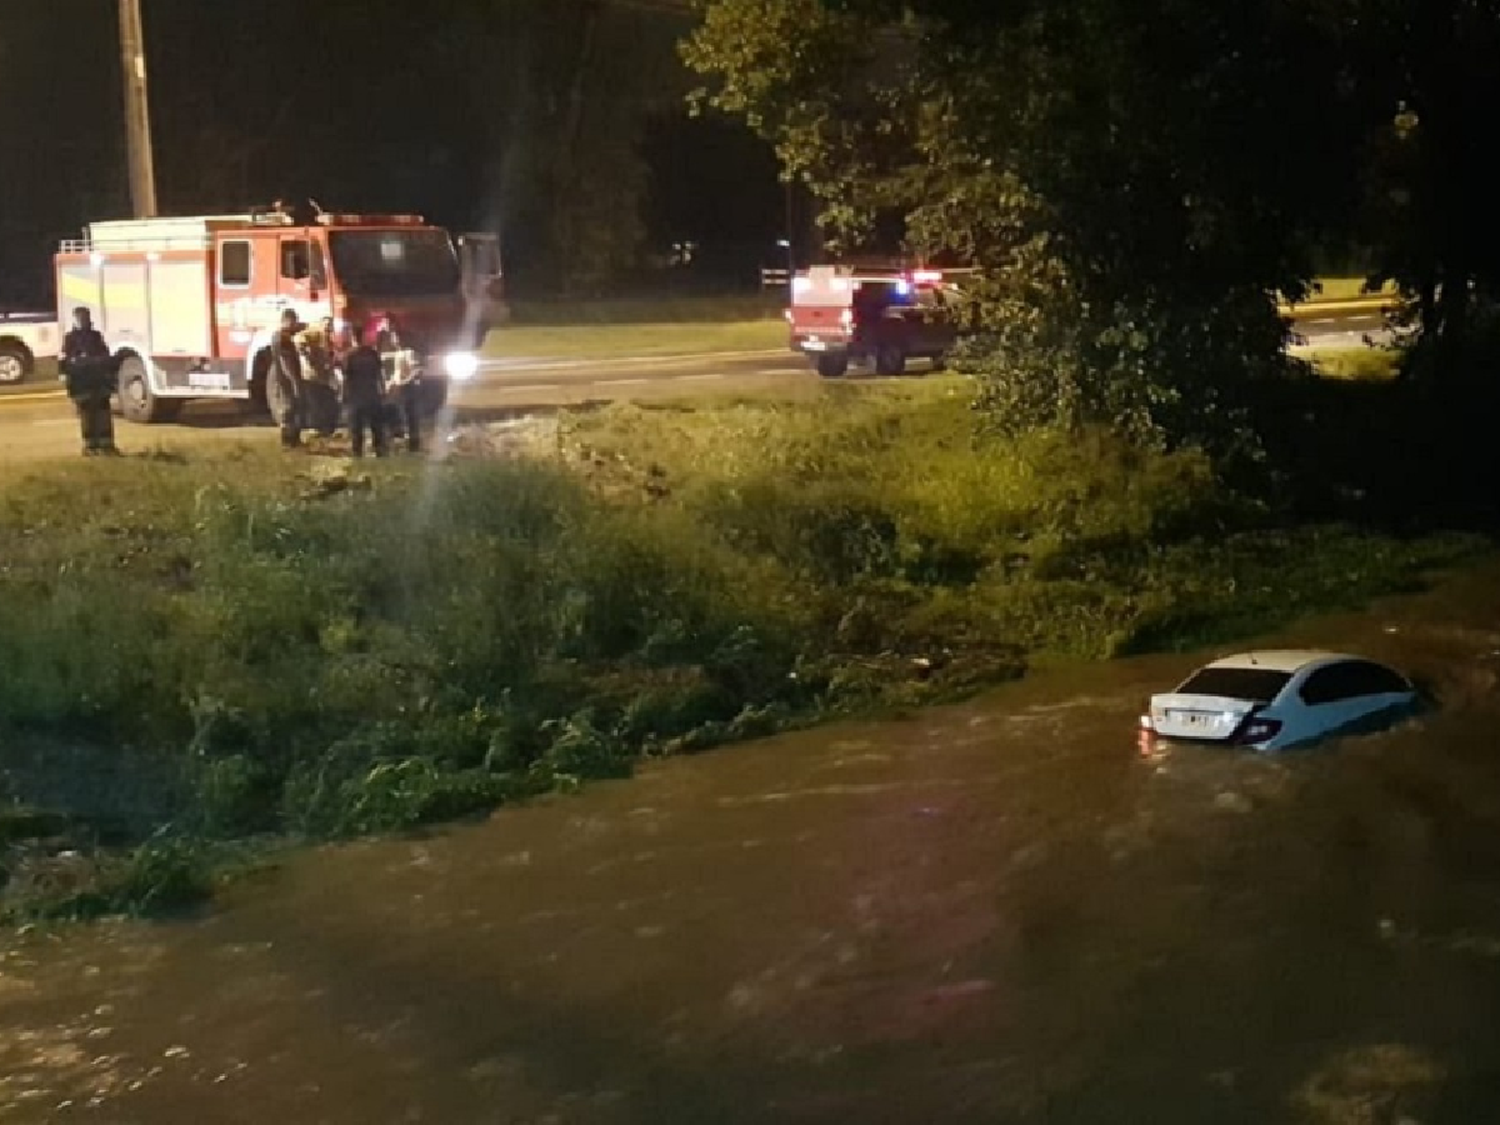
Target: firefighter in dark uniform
(286, 370)
(89, 371)
(364, 397)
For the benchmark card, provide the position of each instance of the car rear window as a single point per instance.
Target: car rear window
(1259, 685)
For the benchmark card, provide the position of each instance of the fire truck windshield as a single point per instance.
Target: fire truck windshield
(394, 263)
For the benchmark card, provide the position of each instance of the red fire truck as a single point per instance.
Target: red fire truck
(882, 316)
(189, 305)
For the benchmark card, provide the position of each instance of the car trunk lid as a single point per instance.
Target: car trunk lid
(1208, 718)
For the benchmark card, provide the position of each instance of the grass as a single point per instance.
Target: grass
(219, 648)
(655, 311)
(1358, 364)
(583, 330)
(624, 341)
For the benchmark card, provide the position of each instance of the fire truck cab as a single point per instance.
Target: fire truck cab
(190, 305)
(876, 316)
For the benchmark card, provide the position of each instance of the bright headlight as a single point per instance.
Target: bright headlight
(461, 366)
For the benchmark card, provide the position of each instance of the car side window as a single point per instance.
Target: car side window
(1374, 679)
(1327, 685)
(1351, 679)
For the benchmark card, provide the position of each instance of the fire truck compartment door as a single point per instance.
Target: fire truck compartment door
(180, 313)
(125, 297)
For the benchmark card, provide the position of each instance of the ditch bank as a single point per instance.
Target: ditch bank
(255, 649)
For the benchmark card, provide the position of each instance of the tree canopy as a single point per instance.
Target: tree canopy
(1139, 178)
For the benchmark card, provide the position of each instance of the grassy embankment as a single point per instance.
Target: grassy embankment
(220, 648)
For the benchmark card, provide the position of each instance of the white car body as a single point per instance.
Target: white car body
(1278, 699)
(24, 339)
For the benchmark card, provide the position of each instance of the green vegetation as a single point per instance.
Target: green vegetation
(1327, 289)
(232, 647)
(653, 311)
(1359, 364)
(626, 340)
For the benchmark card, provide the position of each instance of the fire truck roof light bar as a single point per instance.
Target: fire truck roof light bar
(160, 245)
(371, 220)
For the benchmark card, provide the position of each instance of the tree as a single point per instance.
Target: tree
(1125, 170)
(1422, 76)
(559, 92)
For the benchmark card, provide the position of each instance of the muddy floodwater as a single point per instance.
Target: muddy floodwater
(997, 912)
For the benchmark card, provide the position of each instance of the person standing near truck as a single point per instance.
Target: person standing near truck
(286, 370)
(88, 370)
(316, 353)
(364, 397)
(404, 381)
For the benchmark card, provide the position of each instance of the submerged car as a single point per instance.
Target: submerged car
(1276, 700)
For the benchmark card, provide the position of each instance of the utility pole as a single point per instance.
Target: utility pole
(137, 111)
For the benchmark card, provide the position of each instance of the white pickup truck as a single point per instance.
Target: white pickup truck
(24, 339)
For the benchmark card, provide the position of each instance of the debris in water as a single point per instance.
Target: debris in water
(1234, 802)
(1368, 1086)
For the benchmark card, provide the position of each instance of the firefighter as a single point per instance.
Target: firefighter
(286, 369)
(364, 397)
(89, 370)
(404, 381)
(316, 353)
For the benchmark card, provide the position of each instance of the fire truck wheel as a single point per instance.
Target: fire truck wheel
(137, 403)
(15, 362)
(890, 360)
(832, 365)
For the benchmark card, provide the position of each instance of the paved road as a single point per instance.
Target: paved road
(36, 422)
(1341, 329)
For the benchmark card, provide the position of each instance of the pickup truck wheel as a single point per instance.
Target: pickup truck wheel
(15, 363)
(137, 402)
(890, 360)
(832, 365)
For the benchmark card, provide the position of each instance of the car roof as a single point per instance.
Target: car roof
(1289, 660)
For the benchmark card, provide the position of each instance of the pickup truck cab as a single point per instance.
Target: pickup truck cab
(24, 339)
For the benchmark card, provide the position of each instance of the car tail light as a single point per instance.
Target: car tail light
(1255, 728)
(1145, 738)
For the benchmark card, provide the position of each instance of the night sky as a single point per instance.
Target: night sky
(433, 107)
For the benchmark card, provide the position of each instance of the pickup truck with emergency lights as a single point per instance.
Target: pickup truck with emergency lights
(878, 317)
(24, 339)
(189, 306)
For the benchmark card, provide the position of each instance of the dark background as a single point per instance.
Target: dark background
(560, 123)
